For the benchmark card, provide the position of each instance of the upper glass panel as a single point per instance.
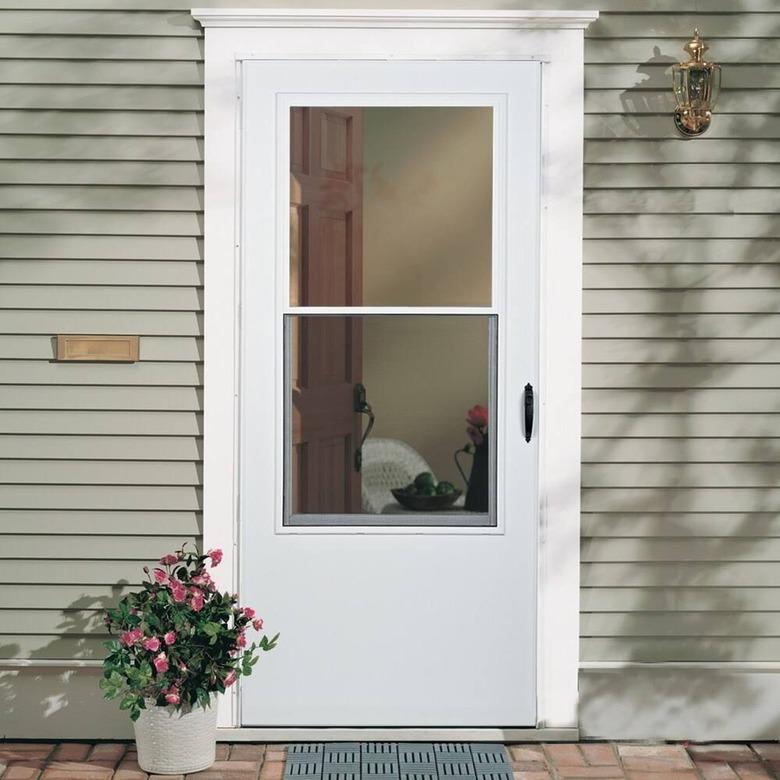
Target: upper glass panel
(391, 206)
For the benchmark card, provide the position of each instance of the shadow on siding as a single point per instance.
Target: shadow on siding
(61, 702)
(723, 627)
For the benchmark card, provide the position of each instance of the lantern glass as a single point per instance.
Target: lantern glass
(715, 85)
(696, 85)
(679, 82)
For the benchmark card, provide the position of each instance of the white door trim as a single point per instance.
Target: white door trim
(554, 38)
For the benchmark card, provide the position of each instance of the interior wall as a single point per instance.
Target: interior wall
(427, 211)
(422, 376)
(427, 205)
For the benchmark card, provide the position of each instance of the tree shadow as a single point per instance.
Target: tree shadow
(679, 593)
(59, 697)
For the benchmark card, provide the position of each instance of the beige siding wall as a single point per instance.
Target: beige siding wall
(680, 469)
(100, 232)
(101, 223)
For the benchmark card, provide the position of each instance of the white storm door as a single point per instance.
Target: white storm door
(389, 242)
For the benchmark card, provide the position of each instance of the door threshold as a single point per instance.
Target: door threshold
(443, 734)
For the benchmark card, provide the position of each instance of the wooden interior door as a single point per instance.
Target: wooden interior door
(326, 245)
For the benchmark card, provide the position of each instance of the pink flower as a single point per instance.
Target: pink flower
(161, 663)
(258, 624)
(477, 416)
(216, 556)
(204, 581)
(152, 644)
(160, 577)
(130, 638)
(248, 612)
(178, 590)
(172, 696)
(196, 600)
(169, 638)
(241, 641)
(170, 559)
(230, 679)
(183, 668)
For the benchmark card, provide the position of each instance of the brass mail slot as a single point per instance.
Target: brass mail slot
(114, 349)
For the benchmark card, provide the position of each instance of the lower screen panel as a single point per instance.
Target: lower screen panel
(387, 421)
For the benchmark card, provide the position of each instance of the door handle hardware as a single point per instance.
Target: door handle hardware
(528, 403)
(362, 406)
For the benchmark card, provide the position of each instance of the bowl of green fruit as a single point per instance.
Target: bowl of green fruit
(427, 495)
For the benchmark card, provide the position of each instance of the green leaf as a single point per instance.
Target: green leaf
(267, 644)
(110, 691)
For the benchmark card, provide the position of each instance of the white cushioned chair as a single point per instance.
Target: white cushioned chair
(387, 463)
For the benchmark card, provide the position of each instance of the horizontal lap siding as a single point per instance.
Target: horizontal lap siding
(101, 164)
(681, 374)
(101, 228)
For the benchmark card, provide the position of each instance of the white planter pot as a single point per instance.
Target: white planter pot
(175, 743)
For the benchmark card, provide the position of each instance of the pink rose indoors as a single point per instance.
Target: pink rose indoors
(178, 641)
(477, 416)
(477, 419)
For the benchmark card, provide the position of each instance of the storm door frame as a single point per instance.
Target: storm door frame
(553, 38)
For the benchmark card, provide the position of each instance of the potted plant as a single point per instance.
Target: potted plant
(178, 643)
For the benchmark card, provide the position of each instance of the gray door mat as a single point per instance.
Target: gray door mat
(397, 761)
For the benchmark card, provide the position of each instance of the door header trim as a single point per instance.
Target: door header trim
(394, 18)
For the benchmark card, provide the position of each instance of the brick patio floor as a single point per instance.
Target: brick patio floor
(552, 761)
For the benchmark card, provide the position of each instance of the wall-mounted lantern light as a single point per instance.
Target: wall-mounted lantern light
(696, 87)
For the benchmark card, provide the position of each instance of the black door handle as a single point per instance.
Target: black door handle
(529, 411)
(361, 406)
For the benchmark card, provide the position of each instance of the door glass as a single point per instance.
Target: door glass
(384, 403)
(391, 206)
